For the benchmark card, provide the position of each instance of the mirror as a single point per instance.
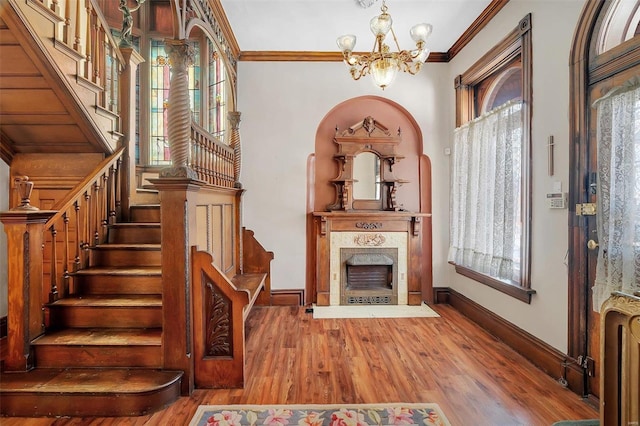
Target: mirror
(366, 175)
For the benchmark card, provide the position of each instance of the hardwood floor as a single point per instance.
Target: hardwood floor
(294, 359)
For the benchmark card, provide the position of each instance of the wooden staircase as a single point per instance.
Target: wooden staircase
(102, 354)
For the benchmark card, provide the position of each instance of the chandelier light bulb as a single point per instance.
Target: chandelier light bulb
(420, 32)
(380, 25)
(346, 43)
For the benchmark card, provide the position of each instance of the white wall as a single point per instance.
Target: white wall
(553, 24)
(282, 104)
(4, 205)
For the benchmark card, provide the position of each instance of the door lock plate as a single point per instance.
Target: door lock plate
(586, 209)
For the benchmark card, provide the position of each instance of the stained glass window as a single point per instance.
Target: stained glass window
(217, 95)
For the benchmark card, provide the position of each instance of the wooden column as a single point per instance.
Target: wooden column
(178, 224)
(234, 120)
(129, 183)
(181, 55)
(25, 238)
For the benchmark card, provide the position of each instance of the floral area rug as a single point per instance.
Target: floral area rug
(320, 415)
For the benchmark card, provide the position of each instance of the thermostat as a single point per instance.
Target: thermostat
(557, 200)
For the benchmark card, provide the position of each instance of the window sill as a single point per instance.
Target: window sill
(520, 293)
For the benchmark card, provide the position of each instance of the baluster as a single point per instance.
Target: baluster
(209, 161)
(111, 196)
(66, 30)
(77, 45)
(86, 229)
(104, 207)
(65, 256)
(211, 169)
(76, 260)
(88, 71)
(98, 56)
(95, 219)
(216, 166)
(195, 157)
(53, 270)
(117, 213)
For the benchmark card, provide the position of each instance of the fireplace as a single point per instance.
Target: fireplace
(368, 268)
(369, 276)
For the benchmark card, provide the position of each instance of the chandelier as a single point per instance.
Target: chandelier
(382, 63)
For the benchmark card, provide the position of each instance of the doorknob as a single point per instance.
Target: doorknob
(592, 245)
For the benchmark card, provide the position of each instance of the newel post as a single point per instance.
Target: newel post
(24, 226)
(129, 182)
(178, 199)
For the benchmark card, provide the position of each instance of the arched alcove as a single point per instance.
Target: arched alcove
(388, 120)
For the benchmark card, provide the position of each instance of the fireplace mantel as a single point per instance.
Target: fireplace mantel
(391, 230)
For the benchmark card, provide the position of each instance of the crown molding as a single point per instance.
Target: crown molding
(476, 26)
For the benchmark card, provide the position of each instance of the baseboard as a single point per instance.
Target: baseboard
(287, 297)
(547, 358)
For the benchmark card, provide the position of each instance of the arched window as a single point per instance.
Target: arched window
(620, 24)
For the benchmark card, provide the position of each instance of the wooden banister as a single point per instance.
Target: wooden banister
(212, 160)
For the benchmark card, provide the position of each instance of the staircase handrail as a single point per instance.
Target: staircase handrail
(83, 186)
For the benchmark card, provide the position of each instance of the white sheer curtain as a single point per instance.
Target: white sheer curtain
(618, 206)
(485, 193)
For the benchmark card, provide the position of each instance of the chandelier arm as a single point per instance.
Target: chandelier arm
(395, 39)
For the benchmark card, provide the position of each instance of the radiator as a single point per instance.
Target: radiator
(620, 357)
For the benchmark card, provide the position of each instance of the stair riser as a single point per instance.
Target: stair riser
(64, 356)
(110, 284)
(85, 317)
(132, 235)
(145, 214)
(124, 257)
(22, 404)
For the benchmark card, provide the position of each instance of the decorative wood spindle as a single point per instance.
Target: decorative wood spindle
(77, 44)
(86, 228)
(234, 120)
(53, 270)
(96, 214)
(66, 31)
(88, 58)
(118, 194)
(78, 245)
(65, 255)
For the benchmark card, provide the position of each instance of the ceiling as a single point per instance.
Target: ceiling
(314, 25)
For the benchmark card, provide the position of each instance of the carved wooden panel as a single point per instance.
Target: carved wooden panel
(218, 326)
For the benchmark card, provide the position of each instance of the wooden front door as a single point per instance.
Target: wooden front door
(593, 75)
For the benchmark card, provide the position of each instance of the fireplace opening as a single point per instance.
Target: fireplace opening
(369, 277)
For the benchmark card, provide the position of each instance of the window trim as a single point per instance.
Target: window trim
(517, 43)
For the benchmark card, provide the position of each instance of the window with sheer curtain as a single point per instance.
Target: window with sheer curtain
(618, 207)
(486, 194)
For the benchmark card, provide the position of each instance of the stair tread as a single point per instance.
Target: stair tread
(149, 300)
(102, 336)
(88, 380)
(123, 270)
